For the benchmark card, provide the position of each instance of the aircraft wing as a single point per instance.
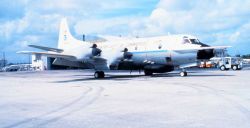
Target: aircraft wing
(46, 48)
(200, 48)
(189, 65)
(214, 47)
(54, 55)
(97, 63)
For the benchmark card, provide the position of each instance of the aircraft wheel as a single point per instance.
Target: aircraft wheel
(183, 73)
(148, 73)
(99, 74)
(234, 67)
(102, 74)
(222, 68)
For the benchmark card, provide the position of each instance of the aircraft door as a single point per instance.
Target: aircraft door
(169, 60)
(149, 56)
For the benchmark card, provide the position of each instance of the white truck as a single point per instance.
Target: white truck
(227, 63)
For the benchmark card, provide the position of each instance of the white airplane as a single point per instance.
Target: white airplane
(153, 55)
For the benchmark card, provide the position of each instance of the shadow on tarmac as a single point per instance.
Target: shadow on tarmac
(131, 77)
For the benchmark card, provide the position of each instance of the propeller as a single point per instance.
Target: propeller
(96, 51)
(126, 54)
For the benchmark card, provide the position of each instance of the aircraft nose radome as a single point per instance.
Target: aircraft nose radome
(204, 45)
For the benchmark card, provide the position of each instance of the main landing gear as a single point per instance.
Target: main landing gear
(99, 74)
(148, 73)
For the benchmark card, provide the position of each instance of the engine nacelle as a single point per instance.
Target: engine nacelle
(127, 55)
(157, 68)
(95, 51)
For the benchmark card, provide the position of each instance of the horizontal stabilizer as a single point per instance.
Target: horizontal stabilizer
(65, 62)
(46, 48)
(54, 55)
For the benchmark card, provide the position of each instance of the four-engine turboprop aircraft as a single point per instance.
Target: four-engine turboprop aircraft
(153, 55)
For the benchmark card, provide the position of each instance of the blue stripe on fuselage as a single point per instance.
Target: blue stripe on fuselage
(156, 51)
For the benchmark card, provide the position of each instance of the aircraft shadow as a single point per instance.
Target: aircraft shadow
(108, 77)
(131, 77)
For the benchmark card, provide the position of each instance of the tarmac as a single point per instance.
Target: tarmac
(74, 99)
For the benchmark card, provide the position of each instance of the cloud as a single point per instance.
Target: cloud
(216, 22)
(22, 19)
(197, 16)
(10, 10)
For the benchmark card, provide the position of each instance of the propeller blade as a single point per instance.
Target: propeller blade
(127, 55)
(96, 51)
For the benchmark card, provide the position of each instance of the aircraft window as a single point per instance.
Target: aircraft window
(195, 41)
(136, 47)
(160, 46)
(168, 59)
(185, 41)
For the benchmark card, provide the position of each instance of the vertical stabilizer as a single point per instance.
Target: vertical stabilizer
(65, 36)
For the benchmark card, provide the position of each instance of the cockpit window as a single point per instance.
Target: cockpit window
(185, 41)
(195, 41)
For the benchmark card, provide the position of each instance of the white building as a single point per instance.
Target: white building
(40, 62)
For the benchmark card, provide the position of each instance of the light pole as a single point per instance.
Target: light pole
(4, 59)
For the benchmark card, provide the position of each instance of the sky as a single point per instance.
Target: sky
(214, 22)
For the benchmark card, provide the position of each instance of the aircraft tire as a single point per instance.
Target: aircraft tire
(183, 73)
(148, 73)
(102, 74)
(99, 74)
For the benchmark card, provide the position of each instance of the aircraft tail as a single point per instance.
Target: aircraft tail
(65, 36)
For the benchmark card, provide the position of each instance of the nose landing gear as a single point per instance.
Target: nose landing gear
(183, 73)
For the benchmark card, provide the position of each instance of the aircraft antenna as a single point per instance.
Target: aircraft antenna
(83, 38)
